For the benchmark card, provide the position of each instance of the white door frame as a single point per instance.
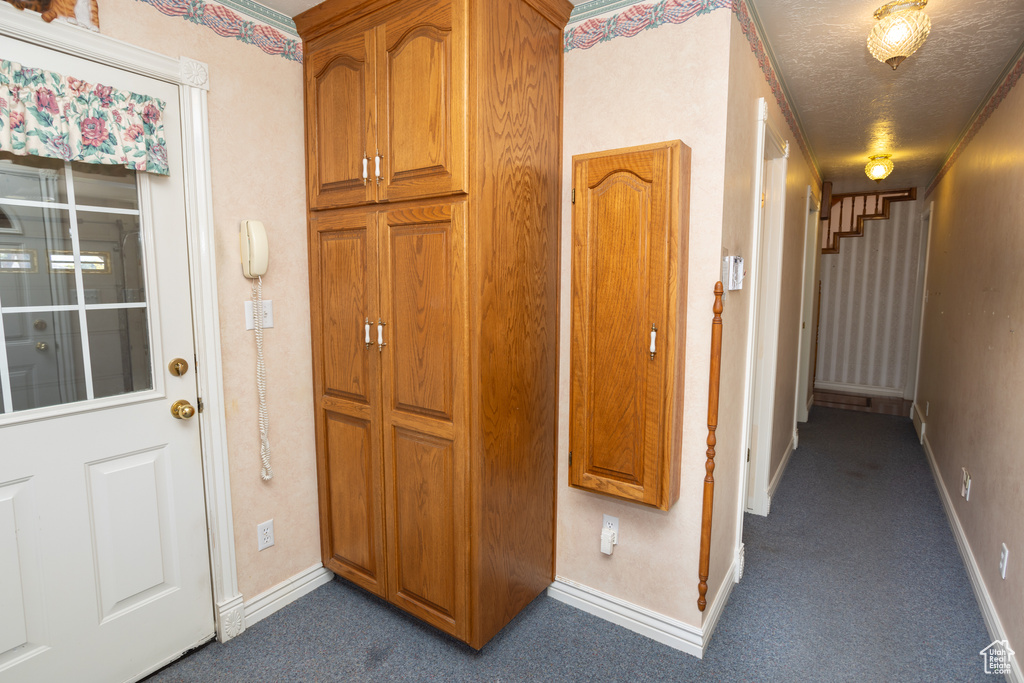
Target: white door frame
(812, 242)
(759, 390)
(192, 79)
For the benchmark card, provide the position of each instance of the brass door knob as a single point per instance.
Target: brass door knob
(41, 346)
(182, 409)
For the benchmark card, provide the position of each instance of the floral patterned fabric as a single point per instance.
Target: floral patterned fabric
(48, 115)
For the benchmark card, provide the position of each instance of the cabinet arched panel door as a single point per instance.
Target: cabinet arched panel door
(628, 322)
(421, 90)
(340, 121)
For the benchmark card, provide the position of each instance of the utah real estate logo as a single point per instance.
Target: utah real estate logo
(997, 657)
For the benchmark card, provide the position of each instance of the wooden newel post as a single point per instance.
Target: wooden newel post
(709, 479)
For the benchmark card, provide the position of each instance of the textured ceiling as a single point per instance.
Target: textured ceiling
(852, 106)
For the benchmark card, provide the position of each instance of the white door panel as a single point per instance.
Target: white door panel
(104, 561)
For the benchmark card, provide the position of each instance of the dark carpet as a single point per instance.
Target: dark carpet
(854, 576)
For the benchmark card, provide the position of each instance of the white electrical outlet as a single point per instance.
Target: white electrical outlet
(965, 484)
(268, 314)
(611, 523)
(927, 405)
(1003, 557)
(265, 535)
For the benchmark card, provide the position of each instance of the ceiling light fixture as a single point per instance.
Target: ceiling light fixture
(901, 29)
(879, 167)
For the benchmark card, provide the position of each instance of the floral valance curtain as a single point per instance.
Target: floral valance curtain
(48, 115)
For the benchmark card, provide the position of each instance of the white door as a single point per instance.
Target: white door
(104, 563)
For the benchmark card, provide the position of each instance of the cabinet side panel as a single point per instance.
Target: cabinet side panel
(515, 233)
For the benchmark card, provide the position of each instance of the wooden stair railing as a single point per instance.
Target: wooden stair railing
(709, 466)
(849, 211)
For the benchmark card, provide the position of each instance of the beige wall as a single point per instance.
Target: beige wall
(972, 359)
(738, 240)
(663, 84)
(256, 149)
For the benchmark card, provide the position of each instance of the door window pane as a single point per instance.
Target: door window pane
(119, 346)
(44, 357)
(109, 186)
(112, 269)
(72, 284)
(33, 178)
(26, 275)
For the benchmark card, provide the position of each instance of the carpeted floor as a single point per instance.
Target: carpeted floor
(855, 576)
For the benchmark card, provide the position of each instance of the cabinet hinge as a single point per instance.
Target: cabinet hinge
(199, 403)
(748, 455)
(570, 458)
(574, 195)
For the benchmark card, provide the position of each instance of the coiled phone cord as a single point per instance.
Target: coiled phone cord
(261, 378)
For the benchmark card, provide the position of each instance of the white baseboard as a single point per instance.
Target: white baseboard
(774, 483)
(919, 421)
(692, 640)
(269, 601)
(714, 612)
(988, 608)
(865, 390)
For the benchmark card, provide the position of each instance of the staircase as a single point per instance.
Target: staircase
(849, 211)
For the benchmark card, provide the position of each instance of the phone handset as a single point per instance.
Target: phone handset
(255, 251)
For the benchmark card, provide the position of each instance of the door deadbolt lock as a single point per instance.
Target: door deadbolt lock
(182, 409)
(178, 367)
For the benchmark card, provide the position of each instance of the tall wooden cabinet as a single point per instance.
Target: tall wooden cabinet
(630, 226)
(433, 131)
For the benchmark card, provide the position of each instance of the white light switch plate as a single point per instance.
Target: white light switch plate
(268, 314)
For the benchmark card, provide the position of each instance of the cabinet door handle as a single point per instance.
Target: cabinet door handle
(654, 336)
(380, 335)
(366, 168)
(366, 329)
(377, 159)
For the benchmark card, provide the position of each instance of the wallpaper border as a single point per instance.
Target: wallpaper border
(265, 14)
(1005, 84)
(642, 17)
(228, 23)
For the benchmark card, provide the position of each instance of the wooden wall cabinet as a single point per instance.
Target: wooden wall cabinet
(434, 299)
(630, 227)
(386, 106)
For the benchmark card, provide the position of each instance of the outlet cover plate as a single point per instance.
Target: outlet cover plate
(611, 523)
(265, 535)
(1003, 557)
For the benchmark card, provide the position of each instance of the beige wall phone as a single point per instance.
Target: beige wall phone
(252, 237)
(255, 251)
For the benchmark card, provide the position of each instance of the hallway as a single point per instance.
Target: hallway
(855, 569)
(854, 576)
